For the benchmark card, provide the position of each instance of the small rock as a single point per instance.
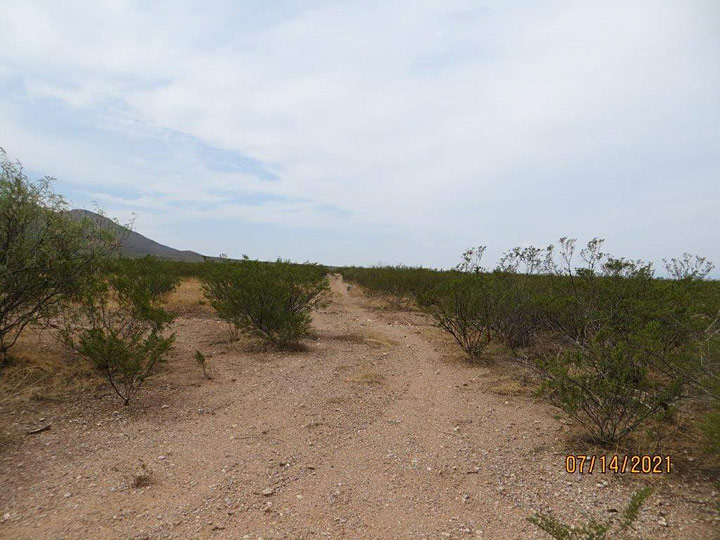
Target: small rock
(268, 491)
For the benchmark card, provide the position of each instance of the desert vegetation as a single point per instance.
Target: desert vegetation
(593, 530)
(117, 323)
(45, 255)
(616, 347)
(67, 275)
(619, 348)
(270, 301)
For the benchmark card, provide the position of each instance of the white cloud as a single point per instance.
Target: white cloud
(492, 120)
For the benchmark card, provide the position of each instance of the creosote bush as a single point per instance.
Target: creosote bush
(118, 324)
(465, 308)
(616, 333)
(615, 345)
(270, 301)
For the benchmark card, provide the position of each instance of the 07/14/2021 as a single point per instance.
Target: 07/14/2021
(634, 464)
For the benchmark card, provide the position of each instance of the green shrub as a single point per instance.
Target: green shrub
(710, 424)
(615, 345)
(555, 528)
(616, 333)
(271, 301)
(593, 530)
(118, 324)
(397, 282)
(157, 278)
(45, 254)
(465, 307)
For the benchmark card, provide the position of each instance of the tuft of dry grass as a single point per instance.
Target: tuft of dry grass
(370, 339)
(337, 400)
(509, 387)
(143, 477)
(513, 386)
(367, 374)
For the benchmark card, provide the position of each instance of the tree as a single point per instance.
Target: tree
(45, 254)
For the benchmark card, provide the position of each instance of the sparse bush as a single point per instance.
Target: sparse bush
(472, 261)
(271, 301)
(203, 363)
(593, 530)
(117, 323)
(560, 531)
(710, 424)
(45, 254)
(615, 345)
(465, 308)
(614, 331)
(701, 299)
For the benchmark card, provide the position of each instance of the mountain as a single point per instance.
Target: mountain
(135, 244)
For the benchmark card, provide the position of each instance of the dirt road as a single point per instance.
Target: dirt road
(375, 431)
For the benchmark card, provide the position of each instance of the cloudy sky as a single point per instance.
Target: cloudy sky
(364, 132)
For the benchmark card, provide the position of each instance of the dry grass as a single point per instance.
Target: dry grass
(42, 369)
(367, 374)
(370, 339)
(40, 372)
(187, 298)
(510, 387)
(337, 400)
(514, 381)
(142, 478)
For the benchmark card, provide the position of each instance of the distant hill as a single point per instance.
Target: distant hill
(135, 244)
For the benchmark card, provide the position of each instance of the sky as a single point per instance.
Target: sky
(367, 132)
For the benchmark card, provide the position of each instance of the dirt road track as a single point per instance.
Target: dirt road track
(373, 432)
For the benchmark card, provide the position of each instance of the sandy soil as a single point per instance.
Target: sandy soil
(376, 431)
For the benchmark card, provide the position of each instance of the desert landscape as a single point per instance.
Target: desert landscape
(358, 269)
(378, 429)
